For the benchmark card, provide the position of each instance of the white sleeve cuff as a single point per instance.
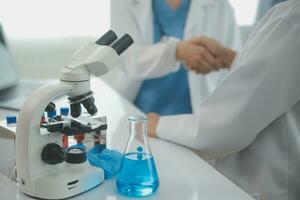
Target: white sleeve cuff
(181, 129)
(172, 43)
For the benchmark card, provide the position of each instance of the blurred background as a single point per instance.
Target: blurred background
(43, 34)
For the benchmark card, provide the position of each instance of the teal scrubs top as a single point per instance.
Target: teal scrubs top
(167, 95)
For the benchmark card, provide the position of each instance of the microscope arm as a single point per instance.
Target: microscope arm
(28, 140)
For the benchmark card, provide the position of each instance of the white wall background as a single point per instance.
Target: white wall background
(43, 34)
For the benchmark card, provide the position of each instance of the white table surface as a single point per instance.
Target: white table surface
(183, 175)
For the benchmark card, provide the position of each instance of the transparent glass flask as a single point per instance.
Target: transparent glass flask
(138, 175)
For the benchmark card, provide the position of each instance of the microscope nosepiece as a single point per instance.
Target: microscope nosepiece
(87, 100)
(90, 106)
(75, 109)
(50, 107)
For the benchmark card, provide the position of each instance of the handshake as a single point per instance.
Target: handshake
(203, 55)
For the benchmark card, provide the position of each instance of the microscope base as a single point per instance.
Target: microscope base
(66, 183)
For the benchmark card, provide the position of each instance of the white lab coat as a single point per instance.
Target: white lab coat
(251, 122)
(214, 18)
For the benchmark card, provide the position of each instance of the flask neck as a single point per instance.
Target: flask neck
(137, 142)
(138, 129)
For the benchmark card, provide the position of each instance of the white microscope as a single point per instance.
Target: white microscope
(44, 169)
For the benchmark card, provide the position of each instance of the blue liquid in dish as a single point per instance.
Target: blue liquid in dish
(138, 176)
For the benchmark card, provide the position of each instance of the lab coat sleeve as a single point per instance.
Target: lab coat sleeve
(152, 61)
(231, 31)
(143, 59)
(264, 86)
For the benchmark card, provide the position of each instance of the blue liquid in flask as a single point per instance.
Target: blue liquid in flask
(138, 176)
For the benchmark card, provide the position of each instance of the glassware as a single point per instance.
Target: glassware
(138, 175)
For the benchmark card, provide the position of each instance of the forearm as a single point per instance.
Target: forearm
(142, 62)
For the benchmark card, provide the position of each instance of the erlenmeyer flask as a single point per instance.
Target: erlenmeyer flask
(138, 176)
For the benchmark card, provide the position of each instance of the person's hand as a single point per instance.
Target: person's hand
(223, 54)
(197, 57)
(153, 120)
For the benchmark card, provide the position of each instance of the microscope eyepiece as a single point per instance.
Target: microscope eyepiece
(122, 44)
(107, 39)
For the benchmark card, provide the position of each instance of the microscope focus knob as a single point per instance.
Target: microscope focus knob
(53, 154)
